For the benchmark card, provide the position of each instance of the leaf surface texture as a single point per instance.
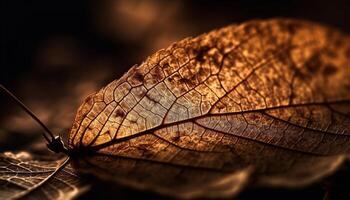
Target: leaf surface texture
(23, 176)
(266, 99)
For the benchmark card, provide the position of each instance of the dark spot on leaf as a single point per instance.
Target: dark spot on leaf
(299, 74)
(157, 73)
(119, 113)
(89, 99)
(133, 121)
(166, 65)
(189, 82)
(175, 138)
(221, 106)
(291, 28)
(314, 64)
(329, 70)
(276, 83)
(170, 79)
(201, 53)
(138, 76)
(331, 54)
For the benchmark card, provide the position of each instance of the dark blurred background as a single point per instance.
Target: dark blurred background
(54, 53)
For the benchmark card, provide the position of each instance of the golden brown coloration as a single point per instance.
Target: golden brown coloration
(270, 97)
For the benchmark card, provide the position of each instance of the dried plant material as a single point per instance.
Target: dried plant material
(23, 176)
(265, 100)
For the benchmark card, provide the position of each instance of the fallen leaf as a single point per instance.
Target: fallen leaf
(23, 176)
(265, 102)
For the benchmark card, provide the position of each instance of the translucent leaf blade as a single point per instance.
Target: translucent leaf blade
(24, 177)
(273, 95)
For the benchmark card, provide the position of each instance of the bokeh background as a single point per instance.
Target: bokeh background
(55, 53)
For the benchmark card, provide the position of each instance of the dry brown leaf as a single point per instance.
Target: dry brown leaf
(23, 176)
(265, 101)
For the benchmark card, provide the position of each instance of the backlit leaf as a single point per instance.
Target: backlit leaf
(265, 100)
(23, 176)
